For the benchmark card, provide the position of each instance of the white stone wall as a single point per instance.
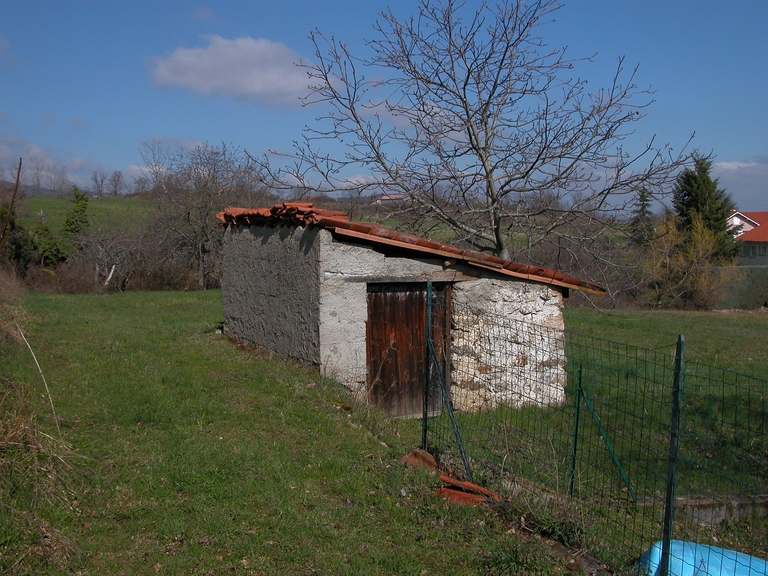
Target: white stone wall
(507, 345)
(344, 303)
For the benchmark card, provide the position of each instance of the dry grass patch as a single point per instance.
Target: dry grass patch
(11, 313)
(33, 472)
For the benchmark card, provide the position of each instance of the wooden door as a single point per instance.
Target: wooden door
(395, 345)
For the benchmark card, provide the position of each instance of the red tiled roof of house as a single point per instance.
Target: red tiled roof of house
(302, 214)
(760, 232)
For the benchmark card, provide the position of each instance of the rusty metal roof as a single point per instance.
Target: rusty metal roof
(338, 222)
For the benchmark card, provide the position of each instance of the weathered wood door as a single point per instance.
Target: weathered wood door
(395, 342)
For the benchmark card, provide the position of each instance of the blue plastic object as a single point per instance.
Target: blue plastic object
(692, 559)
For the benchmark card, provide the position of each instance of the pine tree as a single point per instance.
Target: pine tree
(696, 193)
(76, 221)
(47, 245)
(642, 226)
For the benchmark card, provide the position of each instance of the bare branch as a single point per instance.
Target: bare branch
(484, 128)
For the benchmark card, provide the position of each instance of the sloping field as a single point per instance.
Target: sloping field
(191, 455)
(183, 453)
(735, 340)
(105, 212)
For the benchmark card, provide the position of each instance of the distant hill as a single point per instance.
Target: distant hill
(29, 190)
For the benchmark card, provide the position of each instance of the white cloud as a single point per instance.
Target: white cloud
(730, 167)
(356, 180)
(11, 149)
(244, 68)
(181, 143)
(134, 171)
(745, 181)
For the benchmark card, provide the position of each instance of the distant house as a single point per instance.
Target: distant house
(753, 234)
(388, 199)
(351, 298)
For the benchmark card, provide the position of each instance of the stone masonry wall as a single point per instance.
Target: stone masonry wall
(301, 293)
(507, 345)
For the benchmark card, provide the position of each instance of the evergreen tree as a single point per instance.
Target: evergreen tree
(47, 245)
(16, 245)
(642, 226)
(696, 195)
(76, 221)
(54, 249)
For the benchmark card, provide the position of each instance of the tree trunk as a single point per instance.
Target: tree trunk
(201, 267)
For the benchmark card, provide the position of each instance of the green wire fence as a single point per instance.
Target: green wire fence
(604, 446)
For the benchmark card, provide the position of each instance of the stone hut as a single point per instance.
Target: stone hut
(351, 298)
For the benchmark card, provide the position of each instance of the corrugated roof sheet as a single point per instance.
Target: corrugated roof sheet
(338, 222)
(760, 232)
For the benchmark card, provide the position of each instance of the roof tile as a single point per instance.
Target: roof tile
(760, 232)
(304, 213)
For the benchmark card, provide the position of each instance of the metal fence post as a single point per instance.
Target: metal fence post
(575, 434)
(427, 365)
(674, 440)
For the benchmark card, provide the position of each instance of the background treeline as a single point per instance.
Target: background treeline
(164, 235)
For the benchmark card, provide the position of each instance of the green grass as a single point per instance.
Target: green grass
(106, 211)
(733, 340)
(192, 455)
(722, 437)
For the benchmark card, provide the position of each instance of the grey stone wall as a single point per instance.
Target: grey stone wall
(507, 345)
(271, 289)
(303, 294)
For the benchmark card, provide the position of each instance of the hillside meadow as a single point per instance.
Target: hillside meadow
(102, 212)
(732, 339)
(181, 452)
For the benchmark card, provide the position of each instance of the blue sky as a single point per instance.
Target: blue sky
(84, 83)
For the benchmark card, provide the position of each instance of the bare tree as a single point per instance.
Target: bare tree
(38, 173)
(481, 126)
(116, 183)
(157, 160)
(58, 181)
(18, 172)
(141, 184)
(190, 187)
(99, 181)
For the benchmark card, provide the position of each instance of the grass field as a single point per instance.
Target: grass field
(734, 340)
(192, 455)
(102, 211)
(626, 404)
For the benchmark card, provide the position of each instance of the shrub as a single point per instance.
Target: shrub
(11, 290)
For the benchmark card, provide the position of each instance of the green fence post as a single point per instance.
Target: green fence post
(674, 442)
(449, 408)
(575, 434)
